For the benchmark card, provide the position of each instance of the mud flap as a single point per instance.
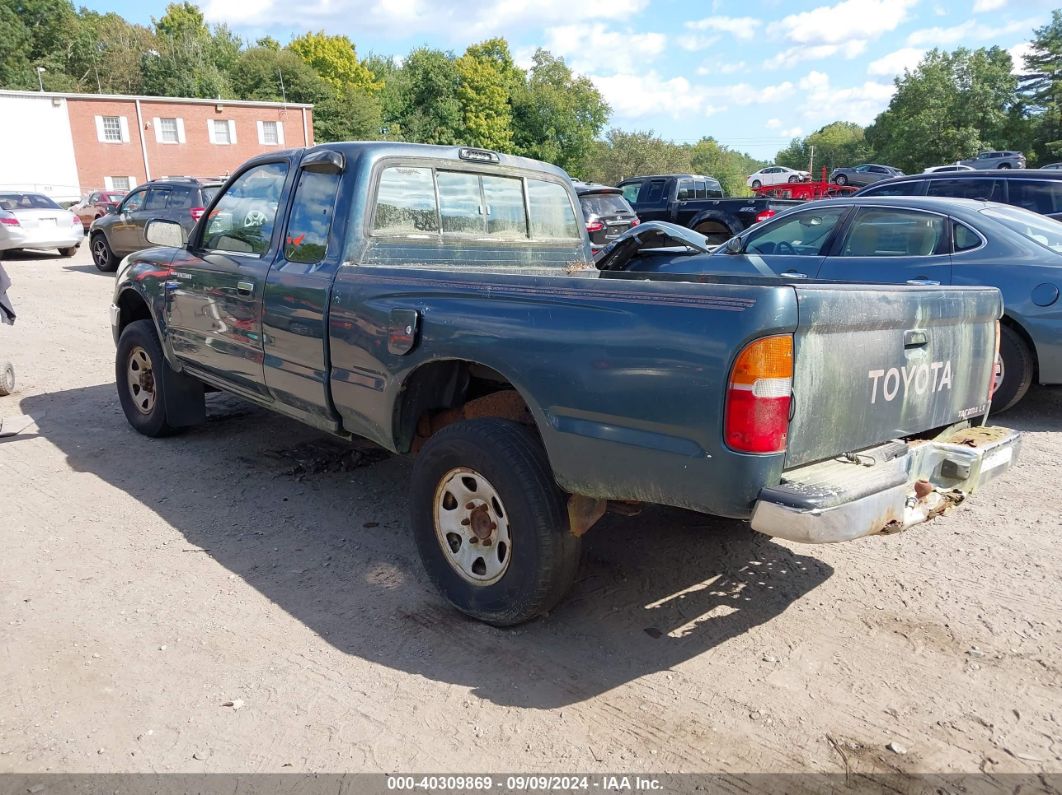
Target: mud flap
(184, 398)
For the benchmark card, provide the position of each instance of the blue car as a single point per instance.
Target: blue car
(901, 239)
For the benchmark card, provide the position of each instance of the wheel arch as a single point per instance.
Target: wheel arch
(731, 222)
(1016, 326)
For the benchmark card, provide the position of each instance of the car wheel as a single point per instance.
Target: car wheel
(714, 232)
(794, 178)
(841, 179)
(1016, 370)
(102, 256)
(7, 378)
(68, 252)
(490, 523)
(756, 184)
(1005, 165)
(140, 369)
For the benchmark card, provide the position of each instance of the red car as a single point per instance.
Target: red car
(96, 204)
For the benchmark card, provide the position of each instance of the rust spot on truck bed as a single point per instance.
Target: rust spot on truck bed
(976, 437)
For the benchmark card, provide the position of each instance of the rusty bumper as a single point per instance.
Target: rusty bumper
(885, 489)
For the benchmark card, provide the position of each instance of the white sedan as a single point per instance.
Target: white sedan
(776, 175)
(950, 167)
(32, 220)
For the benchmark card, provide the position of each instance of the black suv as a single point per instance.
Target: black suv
(1039, 190)
(121, 230)
(606, 213)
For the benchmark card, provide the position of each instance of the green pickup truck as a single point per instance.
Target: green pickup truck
(442, 302)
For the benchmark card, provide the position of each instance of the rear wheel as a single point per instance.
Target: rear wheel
(756, 184)
(1016, 370)
(140, 369)
(490, 523)
(794, 178)
(714, 232)
(1005, 165)
(841, 179)
(68, 252)
(7, 378)
(102, 256)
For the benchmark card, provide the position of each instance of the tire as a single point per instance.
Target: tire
(794, 179)
(714, 232)
(1005, 165)
(143, 399)
(1018, 369)
(7, 378)
(68, 252)
(505, 460)
(841, 179)
(102, 256)
(756, 184)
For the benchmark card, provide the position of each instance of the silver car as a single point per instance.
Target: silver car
(32, 220)
(996, 159)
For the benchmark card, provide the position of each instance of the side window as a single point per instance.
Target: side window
(157, 198)
(983, 189)
(180, 198)
(306, 240)
(684, 190)
(506, 216)
(630, 191)
(701, 190)
(964, 237)
(802, 234)
(243, 219)
(94, 198)
(655, 191)
(460, 204)
(1042, 197)
(715, 189)
(405, 202)
(894, 189)
(894, 233)
(133, 202)
(552, 214)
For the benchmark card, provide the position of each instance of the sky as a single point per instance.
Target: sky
(752, 74)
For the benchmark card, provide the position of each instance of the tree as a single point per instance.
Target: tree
(269, 75)
(347, 113)
(107, 53)
(731, 168)
(840, 143)
(189, 59)
(424, 105)
(949, 107)
(557, 115)
(36, 33)
(1041, 88)
(488, 79)
(629, 154)
(334, 59)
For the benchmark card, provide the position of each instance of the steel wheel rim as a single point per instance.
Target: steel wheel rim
(99, 251)
(140, 380)
(472, 526)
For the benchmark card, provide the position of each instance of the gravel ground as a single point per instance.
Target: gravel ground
(246, 597)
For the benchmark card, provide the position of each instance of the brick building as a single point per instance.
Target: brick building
(66, 145)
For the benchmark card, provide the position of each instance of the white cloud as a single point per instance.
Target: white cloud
(795, 55)
(595, 48)
(1017, 54)
(694, 43)
(721, 68)
(823, 102)
(792, 132)
(738, 27)
(987, 5)
(971, 30)
(896, 62)
(634, 96)
(773, 124)
(459, 22)
(846, 21)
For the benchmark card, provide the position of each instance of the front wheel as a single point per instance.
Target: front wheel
(1005, 165)
(756, 184)
(7, 378)
(490, 524)
(1015, 373)
(794, 178)
(102, 256)
(841, 179)
(139, 369)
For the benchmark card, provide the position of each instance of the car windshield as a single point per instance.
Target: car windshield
(1039, 228)
(604, 204)
(27, 201)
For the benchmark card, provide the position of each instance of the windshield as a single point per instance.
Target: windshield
(1038, 228)
(604, 204)
(27, 201)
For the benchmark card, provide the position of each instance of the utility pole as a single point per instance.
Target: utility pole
(40, 80)
(811, 163)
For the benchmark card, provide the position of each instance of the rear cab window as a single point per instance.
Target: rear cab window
(630, 191)
(982, 189)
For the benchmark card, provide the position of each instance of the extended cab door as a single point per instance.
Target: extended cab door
(897, 245)
(214, 296)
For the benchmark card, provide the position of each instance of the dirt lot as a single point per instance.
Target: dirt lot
(145, 584)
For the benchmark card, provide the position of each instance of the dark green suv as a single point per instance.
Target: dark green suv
(121, 230)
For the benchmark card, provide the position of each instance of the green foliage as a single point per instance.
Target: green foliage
(1041, 91)
(189, 59)
(730, 167)
(841, 143)
(335, 60)
(424, 105)
(488, 78)
(952, 105)
(630, 154)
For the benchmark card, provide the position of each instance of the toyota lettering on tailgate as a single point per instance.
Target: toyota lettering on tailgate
(922, 378)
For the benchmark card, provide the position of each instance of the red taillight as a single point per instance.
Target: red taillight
(594, 226)
(634, 222)
(763, 216)
(9, 220)
(759, 395)
(197, 212)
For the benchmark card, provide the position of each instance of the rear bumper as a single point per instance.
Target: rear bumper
(905, 485)
(43, 237)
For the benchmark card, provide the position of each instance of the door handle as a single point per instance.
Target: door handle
(245, 288)
(915, 338)
(922, 281)
(795, 275)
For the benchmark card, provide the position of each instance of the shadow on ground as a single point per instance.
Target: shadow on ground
(323, 534)
(1039, 410)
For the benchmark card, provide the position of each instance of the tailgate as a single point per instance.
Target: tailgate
(882, 362)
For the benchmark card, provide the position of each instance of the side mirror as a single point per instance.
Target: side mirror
(734, 245)
(112, 209)
(165, 233)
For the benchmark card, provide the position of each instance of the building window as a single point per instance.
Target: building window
(270, 136)
(168, 131)
(222, 131)
(117, 183)
(112, 129)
